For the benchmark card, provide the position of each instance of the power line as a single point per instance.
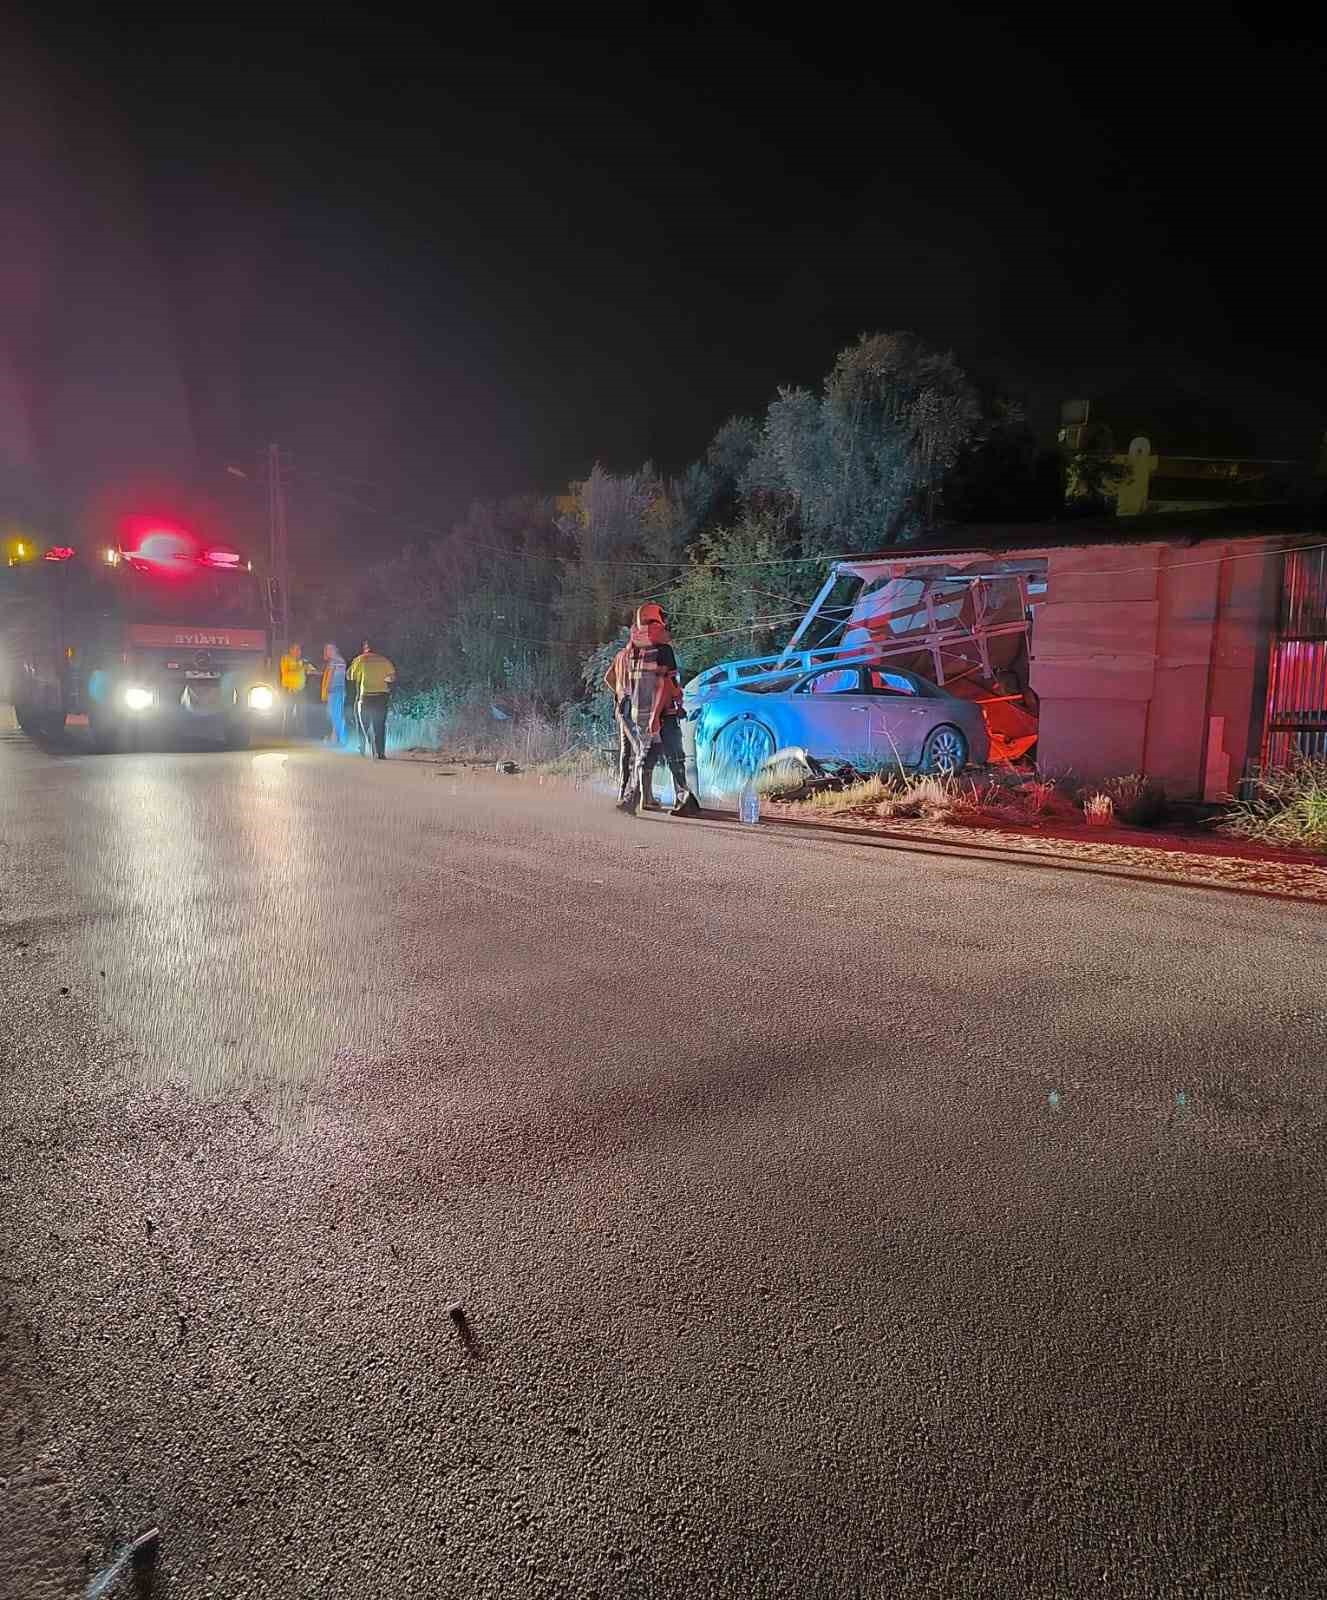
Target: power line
(897, 554)
(678, 564)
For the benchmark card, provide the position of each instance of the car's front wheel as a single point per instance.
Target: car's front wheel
(945, 750)
(742, 747)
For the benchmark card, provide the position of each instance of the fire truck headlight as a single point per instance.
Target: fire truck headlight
(261, 698)
(138, 699)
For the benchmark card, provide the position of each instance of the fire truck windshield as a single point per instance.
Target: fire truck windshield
(200, 596)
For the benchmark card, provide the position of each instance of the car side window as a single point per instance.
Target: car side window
(838, 680)
(890, 682)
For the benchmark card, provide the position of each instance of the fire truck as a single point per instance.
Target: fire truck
(159, 637)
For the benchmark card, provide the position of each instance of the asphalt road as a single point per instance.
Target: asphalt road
(830, 1219)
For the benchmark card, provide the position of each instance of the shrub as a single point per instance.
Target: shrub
(939, 798)
(1099, 810)
(1137, 799)
(1284, 805)
(1039, 796)
(418, 720)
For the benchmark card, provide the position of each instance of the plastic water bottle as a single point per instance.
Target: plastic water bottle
(748, 804)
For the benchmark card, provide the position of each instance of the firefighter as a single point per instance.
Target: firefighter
(374, 677)
(626, 749)
(649, 707)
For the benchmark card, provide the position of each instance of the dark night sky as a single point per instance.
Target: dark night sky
(468, 262)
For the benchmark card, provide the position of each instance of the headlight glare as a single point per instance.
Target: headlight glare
(138, 698)
(261, 698)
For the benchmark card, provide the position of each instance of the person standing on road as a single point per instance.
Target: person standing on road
(374, 677)
(650, 708)
(294, 671)
(616, 684)
(333, 692)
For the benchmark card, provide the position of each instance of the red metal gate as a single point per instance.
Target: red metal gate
(1296, 722)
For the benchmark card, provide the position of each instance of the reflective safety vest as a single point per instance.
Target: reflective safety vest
(294, 669)
(373, 673)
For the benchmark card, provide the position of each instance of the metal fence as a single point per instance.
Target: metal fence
(1296, 721)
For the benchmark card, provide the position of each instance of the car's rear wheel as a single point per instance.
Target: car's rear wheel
(945, 750)
(742, 747)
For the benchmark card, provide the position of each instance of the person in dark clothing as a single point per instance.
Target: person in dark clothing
(648, 690)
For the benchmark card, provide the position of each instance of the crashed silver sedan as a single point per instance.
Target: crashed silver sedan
(865, 714)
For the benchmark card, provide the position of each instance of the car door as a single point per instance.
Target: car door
(833, 714)
(900, 716)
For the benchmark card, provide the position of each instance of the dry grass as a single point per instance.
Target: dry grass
(1285, 806)
(938, 799)
(1099, 810)
(526, 734)
(1005, 795)
(1137, 799)
(935, 798)
(858, 797)
(1042, 797)
(584, 763)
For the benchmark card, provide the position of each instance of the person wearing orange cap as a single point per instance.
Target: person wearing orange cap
(648, 699)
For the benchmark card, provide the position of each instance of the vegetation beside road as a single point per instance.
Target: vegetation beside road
(1000, 794)
(1032, 817)
(1284, 806)
(509, 617)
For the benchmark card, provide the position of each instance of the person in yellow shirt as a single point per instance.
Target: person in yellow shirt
(294, 671)
(374, 678)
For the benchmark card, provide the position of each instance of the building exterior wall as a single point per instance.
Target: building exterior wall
(1150, 658)
(1250, 609)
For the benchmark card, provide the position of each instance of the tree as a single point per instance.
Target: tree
(619, 525)
(741, 592)
(1006, 475)
(712, 492)
(866, 462)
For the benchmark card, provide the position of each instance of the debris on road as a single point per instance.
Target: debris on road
(140, 1554)
(459, 1320)
(792, 774)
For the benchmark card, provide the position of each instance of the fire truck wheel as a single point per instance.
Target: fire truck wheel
(39, 724)
(104, 733)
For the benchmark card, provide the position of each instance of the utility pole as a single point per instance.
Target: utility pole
(279, 555)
